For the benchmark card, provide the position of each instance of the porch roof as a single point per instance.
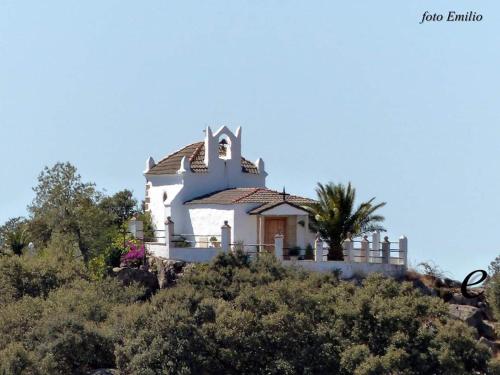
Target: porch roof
(263, 196)
(269, 206)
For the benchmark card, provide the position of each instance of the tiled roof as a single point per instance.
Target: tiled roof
(248, 195)
(195, 152)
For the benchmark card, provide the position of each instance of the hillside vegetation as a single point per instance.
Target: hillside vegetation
(231, 316)
(67, 308)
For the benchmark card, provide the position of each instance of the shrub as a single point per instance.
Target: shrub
(16, 360)
(236, 316)
(134, 256)
(34, 276)
(230, 316)
(63, 344)
(493, 294)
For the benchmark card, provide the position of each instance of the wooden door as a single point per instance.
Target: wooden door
(273, 226)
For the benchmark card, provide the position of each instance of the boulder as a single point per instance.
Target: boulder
(487, 330)
(490, 344)
(134, 275)
(167, 271)
(419, 284)
(459, 299)
(450, 283)
(469, 314)
(487, 311)
(474, 317)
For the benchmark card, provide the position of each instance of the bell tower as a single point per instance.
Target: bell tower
(223, 146)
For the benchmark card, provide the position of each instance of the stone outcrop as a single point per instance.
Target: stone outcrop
(158, 273)
(471, 315)
(475, 312)
(167, 271)
(142, 277)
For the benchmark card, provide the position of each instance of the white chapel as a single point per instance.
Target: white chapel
(207, 183)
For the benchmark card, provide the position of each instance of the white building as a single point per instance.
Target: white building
(207, 183)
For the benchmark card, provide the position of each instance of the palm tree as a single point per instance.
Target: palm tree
(17, 240)
(334, 216)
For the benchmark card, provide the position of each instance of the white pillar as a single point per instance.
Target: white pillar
(348, 246)
(261, 234)
(169, 232)
(225, 237)
(403, 250)
(365, 249)
(386, 251)
(376, 244)
(278, 246)
(318, 252)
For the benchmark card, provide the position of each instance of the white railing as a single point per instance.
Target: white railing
(366, 250)
(376, 251)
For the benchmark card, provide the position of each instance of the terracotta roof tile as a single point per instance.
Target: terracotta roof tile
(195, 152)
(248, 195)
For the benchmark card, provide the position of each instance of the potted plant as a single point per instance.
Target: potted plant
(214, 242)
(294, 252)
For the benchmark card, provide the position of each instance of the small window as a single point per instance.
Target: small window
(165, 196)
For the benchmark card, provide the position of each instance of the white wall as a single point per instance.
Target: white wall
(159, 185)
(205, 255)
(349, 269)
(194, 255)
(197, 255)
(222, 174)
(208, 219)
(246, 225)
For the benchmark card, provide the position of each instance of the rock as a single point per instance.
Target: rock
(166, 270)
(474, 317)
(459, 299)
(486, 311)
(490, 344)
(147, 279)
(452, 283)
(418, 284)
(487, 330)
(469, 314)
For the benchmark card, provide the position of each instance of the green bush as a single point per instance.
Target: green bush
(493, 294)
(55, 320)
(34, 276)
(235, 316)
(16, 360)
(232, 316)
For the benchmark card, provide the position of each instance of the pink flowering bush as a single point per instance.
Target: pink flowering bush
(134, 256)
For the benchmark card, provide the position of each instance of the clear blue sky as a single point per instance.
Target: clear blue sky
(325, 91)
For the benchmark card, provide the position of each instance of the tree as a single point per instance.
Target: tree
(334, 216)
(14, 236)
(65, 204)
(494, 266)
(236, 316)
(121, 206)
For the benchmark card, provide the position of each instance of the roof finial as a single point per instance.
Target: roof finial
(284, 194)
